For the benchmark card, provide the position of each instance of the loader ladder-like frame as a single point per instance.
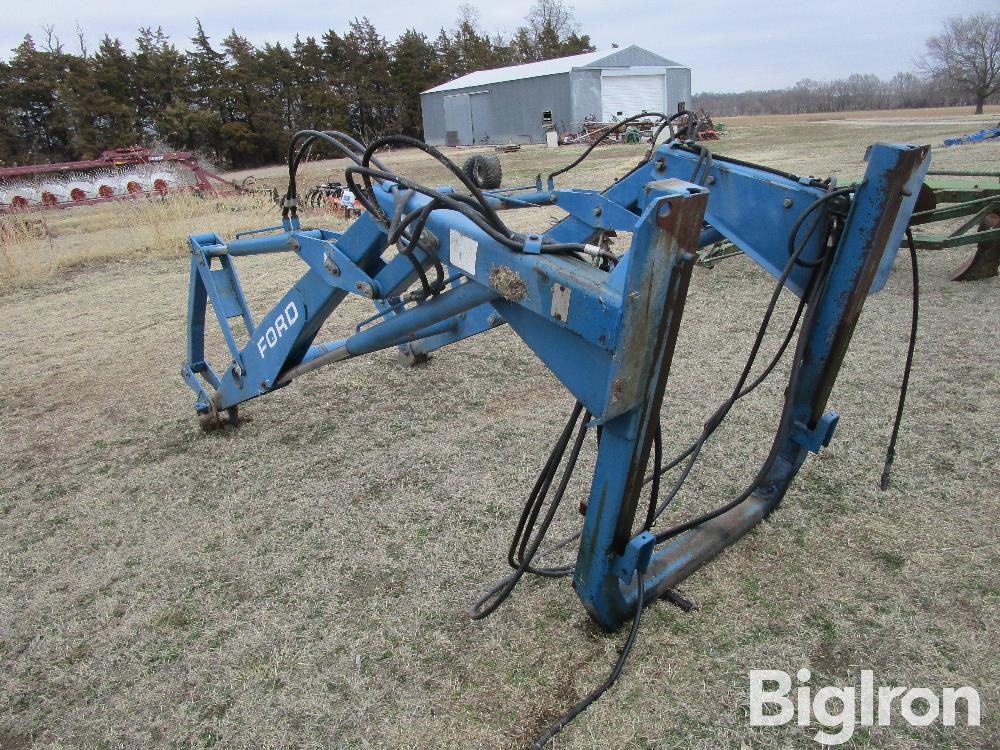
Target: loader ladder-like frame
(608, 336)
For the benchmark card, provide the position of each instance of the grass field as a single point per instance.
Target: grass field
(303, 581)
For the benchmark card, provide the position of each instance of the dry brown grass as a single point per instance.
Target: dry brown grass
(955, 115)
(821, 144)
(36, 247)
(165, 588)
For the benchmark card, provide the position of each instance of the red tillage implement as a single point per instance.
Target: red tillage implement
(117, 175)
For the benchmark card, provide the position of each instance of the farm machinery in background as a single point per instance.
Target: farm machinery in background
(945, 197)
(975, 195)
(699, 126)
(440, 265)
(117, 175)
(704, 127)
(983, 135)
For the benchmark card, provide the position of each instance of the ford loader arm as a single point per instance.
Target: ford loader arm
(607, 335)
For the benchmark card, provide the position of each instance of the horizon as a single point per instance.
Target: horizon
(722, 44)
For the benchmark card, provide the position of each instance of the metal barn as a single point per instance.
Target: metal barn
(517, 103)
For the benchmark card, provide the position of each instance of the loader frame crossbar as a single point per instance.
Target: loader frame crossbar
(608, 336)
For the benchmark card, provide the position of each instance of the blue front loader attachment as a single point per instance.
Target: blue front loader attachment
(607, 330)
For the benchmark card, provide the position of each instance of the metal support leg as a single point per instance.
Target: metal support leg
(663, 245)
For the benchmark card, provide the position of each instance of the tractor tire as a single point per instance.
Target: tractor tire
(484, 170)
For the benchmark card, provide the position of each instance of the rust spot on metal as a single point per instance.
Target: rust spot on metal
(617, 387)
(926, 199)
(685, 232)
(509, 283)
(984, 263)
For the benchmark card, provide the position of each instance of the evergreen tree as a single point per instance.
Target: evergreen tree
(367, 81)
(209, 99)
(38, 111)
(319, 105)
(113, 108)
(8, 129)
(336, 72)
(415, 68)
(247, 102)
(240, 103)
(161, 78)
(447, 55)
(474, 51)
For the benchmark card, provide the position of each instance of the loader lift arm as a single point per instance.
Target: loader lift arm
(607, 333)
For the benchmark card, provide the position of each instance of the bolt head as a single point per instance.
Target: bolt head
(787, 203)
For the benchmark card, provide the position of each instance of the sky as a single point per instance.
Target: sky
(730, 46)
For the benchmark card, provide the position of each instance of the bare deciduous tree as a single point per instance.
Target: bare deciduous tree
(52, 43)
(469, 15)
(967, 54)
(82, 40)
(553, 17)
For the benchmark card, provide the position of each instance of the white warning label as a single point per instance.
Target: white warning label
(463, 251)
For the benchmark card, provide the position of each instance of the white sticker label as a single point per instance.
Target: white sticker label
(463, 251)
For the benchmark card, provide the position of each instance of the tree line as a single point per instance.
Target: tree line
(237, 103)
(961, 67)
(856, 92)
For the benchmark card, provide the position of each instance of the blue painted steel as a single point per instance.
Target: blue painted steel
(608, 337)
(636, 557)
(814, 438)
(879, 156)
(752, 207)
(868, 235)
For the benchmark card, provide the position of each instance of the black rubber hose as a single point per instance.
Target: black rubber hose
(452, 202)
(784, 423)
(890, 452)
(668, 123)
(749, 388)
(446, 200)
(612, 677)
(352, 150)
(694, 451)
(825, 198)
(496, 595)
(608, 131)
(522, 552)
(742, 163)
(491, 215)
(654, 491)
